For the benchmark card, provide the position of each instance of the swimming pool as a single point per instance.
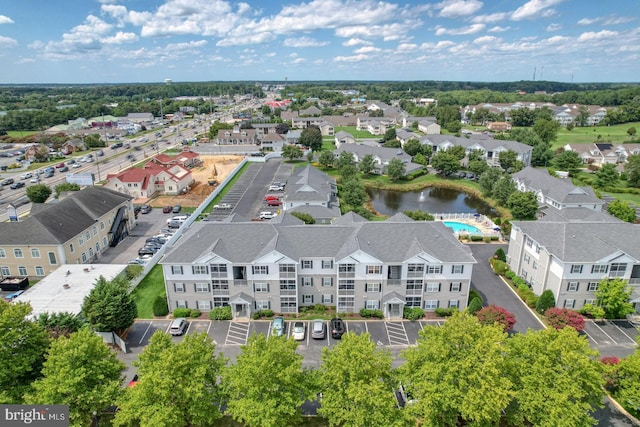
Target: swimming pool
(460, 227)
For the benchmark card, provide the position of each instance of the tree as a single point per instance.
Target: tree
(628, 380)
(631, 131)
(109, 306)
(60, 324)
(445, 163)
(557, 379)
(546, 129)
(499, 254)
(291, 152)
(326, 159)
(583, 116)
(345, 158)
(474, 305)
(177, 384)
(353, 192)
(541, 155)
(523, 205)
(22, 348)
(545, 302)
(266, 110)
(282, 128)
(38, 193)
(632, 169)
(451, 370)
(395, 169)
(267, 385)
(493, 314)
(82, 372)
(356, 384)
(488, 180)
(569, 161)
(508, 160)
(613, 296)
(503, 189)
(367, 164)
(478, 167)
(389, 135)
(559, 318)
(412, 147)
(457, 151)
(420, 159)
(65, 186)
(311, 137)
(621, 210)
(606, 176)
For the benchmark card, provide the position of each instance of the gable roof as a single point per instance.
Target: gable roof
(558, 189)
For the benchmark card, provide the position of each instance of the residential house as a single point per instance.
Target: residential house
(72, 146)
(237, 136)
(403, 135)
(499, 126)
(76, 229)
(154, 178)
(186, 158)
(343, 137)
(292, 137)
(558, 193)
(429, 126)
(272, 141)
(352, 264)
(310, 187)
(375, 126)
(599, 154)
(489, 147)
(382, 156)
(312, 111)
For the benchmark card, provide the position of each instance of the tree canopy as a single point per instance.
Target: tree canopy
(109, 306)
(523, 205)
(311, 137)
(395, 169)
(291, 152)
(613, 296)
(38, 193)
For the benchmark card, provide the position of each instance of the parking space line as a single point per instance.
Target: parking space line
(237, 333)
(606, 334)
(396, 333)
(145, 332)
(589, 336)
(624, 333)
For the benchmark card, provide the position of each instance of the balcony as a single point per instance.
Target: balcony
(394, 282)
(240, 282)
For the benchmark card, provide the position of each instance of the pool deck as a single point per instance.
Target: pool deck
(481, 222)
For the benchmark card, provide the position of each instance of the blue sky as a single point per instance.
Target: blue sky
(120, 41)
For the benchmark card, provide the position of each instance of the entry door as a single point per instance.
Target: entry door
(241, 310)
(394, 311)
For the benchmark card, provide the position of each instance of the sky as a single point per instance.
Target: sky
(147, 41)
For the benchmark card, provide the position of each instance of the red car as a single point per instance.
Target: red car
(167, 209)
(271, 197)
(274, 202)
(60, 165)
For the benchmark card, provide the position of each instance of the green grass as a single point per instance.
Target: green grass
(147, 291)
(358, 134)
(589, 135)
(22, 133)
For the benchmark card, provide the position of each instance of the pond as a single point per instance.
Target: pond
(432, 200)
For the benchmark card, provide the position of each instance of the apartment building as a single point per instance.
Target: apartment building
(349, 264)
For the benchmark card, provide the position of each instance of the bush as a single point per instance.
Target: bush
(559, 318)
(474, 294)
(320, 308)
(262, 313)
(510, 275)
(132, 271)
(525, 292)
(500, 267)
(500, 255)
(368, 313)
(494, 314)
(475, 305)
(195, 313)
(413, 313)
(182, 312)
(221, 313)
(445, 312)
(477, 238)
(593, 311)
(545, 302)
(160, 307)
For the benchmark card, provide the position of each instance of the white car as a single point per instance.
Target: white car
(266, 215)
(35, 179)
(26, 175)
(76, 165)
(298, 331)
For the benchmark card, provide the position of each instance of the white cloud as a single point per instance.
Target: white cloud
(356, 42)
(367, 49)
(588, 21)
(498, 29)
(304, 42)
(120, 37)
(354, 58)
(462, 31)
(486, 39)
(117, 12)
(26, 61)
(5, 20)
(298, 61)
(607, 20)
(7, 42)
(459, 8)
(591, 36)
(490, 19)
(407, 47)
(553, 27)
(535, 9)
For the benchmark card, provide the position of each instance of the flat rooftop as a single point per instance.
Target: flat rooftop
(65, 288)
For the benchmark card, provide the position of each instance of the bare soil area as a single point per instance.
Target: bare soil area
(213, 167)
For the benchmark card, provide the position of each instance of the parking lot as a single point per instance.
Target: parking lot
(612, 337)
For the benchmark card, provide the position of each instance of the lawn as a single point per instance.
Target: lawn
(22, 133)
(587, 135)
(147, 291)
(358, 134)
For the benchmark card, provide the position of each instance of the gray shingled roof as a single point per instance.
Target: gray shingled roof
(559, 189)
(487, 143)
(309, 185)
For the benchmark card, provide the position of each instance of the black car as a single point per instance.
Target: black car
(17, 185)
(176, 209)
(146, 251)
(8, 181)
(337, 328)
(64, 169)
(116, 145)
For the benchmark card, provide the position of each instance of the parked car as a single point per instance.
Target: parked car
(13, 295)
(271, 197)
(167, 209)
(175, 224)
(298, 331)
(266, 215)
(178, 326)
(146, 251)
(17, 185)
(145, 209)
(274, 202)
(276, 188)
(277, 326)
(337, 328)
(176, 209)
(318, 329)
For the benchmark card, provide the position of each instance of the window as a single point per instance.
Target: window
(414, 285)
(52, 258)
(346, 285)
(599, 269)
(307, 264)
(576, 269)
(434, 269)
(288, 304)
(537, 249)
(307, 299)
(569, 303)
(534, 265)
(220, 301)
(432, 287)
(327, 298)
(415, 269)
(179, 287)
(101, 225)
(413, 301)
(199, 269)
(5, 271)
(529, 242)
(288, 285)
(372, 287)
(346, 268)
(203, 305)
(201, 287)
(454, 303)
(84, 257)
(455, 287)
(39, 271)
(220, 285)
(87, 236)
(80, 241)
(286, 269)
(97, 247)
(71, 249)
(307, 281)
(372, 304)
(94, 229)
(22, 271)
(592, 286)
(176, 269)
(617, 269)
(3, 254)
(181, 304)
(260, 269)
(573, 286)
(430, 304)
(327, 281)
(527, 258)
(35, 253)
(374, 269)
(17, 252)
(219, 269)
(260, 287)
(262, 305)
(90, 252)
(104, 242)
(591, 301)
(327, 263)
(457, 269)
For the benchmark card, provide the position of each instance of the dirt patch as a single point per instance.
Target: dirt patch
(216, 167)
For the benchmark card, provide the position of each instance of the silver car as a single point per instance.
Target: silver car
(318, 329)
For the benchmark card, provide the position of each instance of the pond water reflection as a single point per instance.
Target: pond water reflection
(433, 200)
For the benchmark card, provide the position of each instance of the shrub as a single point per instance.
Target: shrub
(475, 305)
(221, 313)
(545, 302)
(510, 275)
(494, 314)
(500, 267)
(195, 313)
(181, 312)
(474, 294)
(486, 239)
(413, 313)
(320, 308)
(160, 307)
(132, 271)
(561, 317)
(525, 292)
(367, 313)
(445, 312)
(262, 313)
(476, 238)
(500, 255)
(593, 311)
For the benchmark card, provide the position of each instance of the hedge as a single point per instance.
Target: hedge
(221, 313)
(413, 313)
(367, 312)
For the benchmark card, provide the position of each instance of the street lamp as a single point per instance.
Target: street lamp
(95, 418)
